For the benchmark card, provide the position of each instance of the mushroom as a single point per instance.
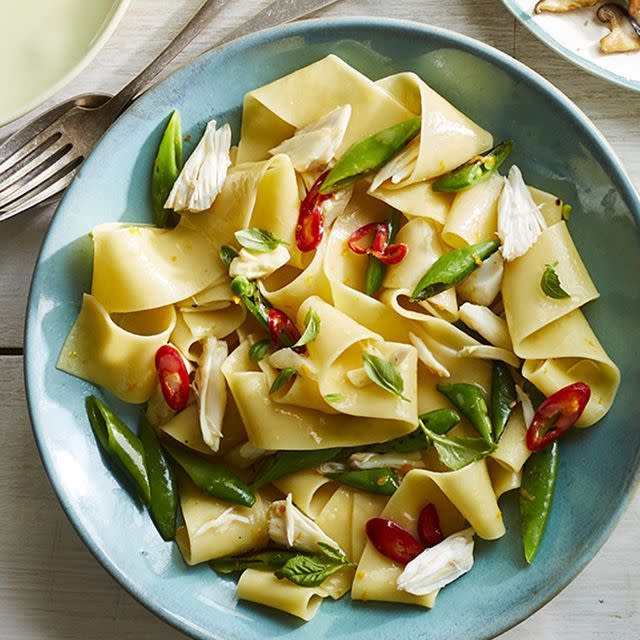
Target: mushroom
(562, 6)
(623, 36)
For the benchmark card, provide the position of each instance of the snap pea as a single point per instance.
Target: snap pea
(227, 255)
(439, 421)
(383, 481)
(503, 397)
(164, 492)
(269, 559)
(453, 267)
(536, 497)
(284, 462)
(414, 441)
(166, 169)
(368, 155)
(376, 269)
(210, 477)
(120, 443)
(474, 171)
(248, 292)
(470, 400)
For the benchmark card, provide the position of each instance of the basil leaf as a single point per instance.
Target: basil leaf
(283, 378)
(262, 560)
(332, 553)
(311, 329)
(455, 452)
(227, 255)
(312, 571)
(550, 283)
(334, 398)
(258, 240)
(259, 350)
(384, 374)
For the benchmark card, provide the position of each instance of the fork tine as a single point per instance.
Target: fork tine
(27, 155)
(44, 192)
(31, 170)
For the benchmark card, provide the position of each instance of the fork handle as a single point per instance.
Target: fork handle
(200, 20)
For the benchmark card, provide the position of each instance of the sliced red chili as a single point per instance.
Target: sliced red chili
(283, 332)
(380, 233)
(429, 530)
(173, 376)
(557, 414)
(310, 227)
(393, 541)
(393, 254)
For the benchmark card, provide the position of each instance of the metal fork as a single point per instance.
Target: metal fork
(39, 161)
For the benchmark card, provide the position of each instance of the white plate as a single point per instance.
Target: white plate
(46, 43)
(576, 36)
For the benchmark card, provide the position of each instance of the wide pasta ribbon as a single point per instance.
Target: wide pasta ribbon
(557, 342)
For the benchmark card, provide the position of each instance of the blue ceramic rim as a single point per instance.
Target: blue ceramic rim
(526, 19)
(606, 157)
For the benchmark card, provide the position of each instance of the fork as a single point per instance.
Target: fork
(39, 161)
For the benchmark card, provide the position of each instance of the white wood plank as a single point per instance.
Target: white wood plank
(52, 587)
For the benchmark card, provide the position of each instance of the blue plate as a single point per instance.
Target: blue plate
(558, 149)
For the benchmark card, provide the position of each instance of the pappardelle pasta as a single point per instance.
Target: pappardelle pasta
(351, 334)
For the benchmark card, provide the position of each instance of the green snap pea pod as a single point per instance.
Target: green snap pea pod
(474, 171)
(227, 255)
(269, 559)
(166, 169)
(120, 443)
(535, 395)
(470, 400)
(368, 155)
(453, 267)
(164, 491)
(376, 269)
(383, 481)
(536, 496)
(439, 421)
(248, 292)
(210, 477)
(503, 397)
(284, 462)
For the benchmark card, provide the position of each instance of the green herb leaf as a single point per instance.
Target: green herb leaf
(566, 212)
(457, 453)
(259, 350)
(262, 560)
(311, 329)
(282, 379)
(258, 240)
(550, 283)
(227, 255)
(384, 374)
(334, 398)
(312, 571)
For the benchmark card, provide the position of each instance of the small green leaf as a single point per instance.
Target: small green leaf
(566, 212)
(269, 559)
(282, 379)
(384, 374)
(311, 329)
(457, 453)
(259, 350)
(550, 283)
(334, 398)
(312, 571)
(227, 255)
(258, 240)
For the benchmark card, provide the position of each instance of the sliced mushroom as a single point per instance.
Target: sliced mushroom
(623, 36)
(562, 6)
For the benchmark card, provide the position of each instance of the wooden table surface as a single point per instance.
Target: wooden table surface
(50, 586)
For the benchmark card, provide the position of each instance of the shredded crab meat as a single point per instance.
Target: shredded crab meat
(316, 145)
(289, 359)
(289, 527)
(259, 265)
(438, 566)
(527, 406)
(366, 460)
(204, 173)
(483, 285)
(487, 352)
(427, 358)
(222, 522)
(490, 326)
(400, 167)
(520, 222)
